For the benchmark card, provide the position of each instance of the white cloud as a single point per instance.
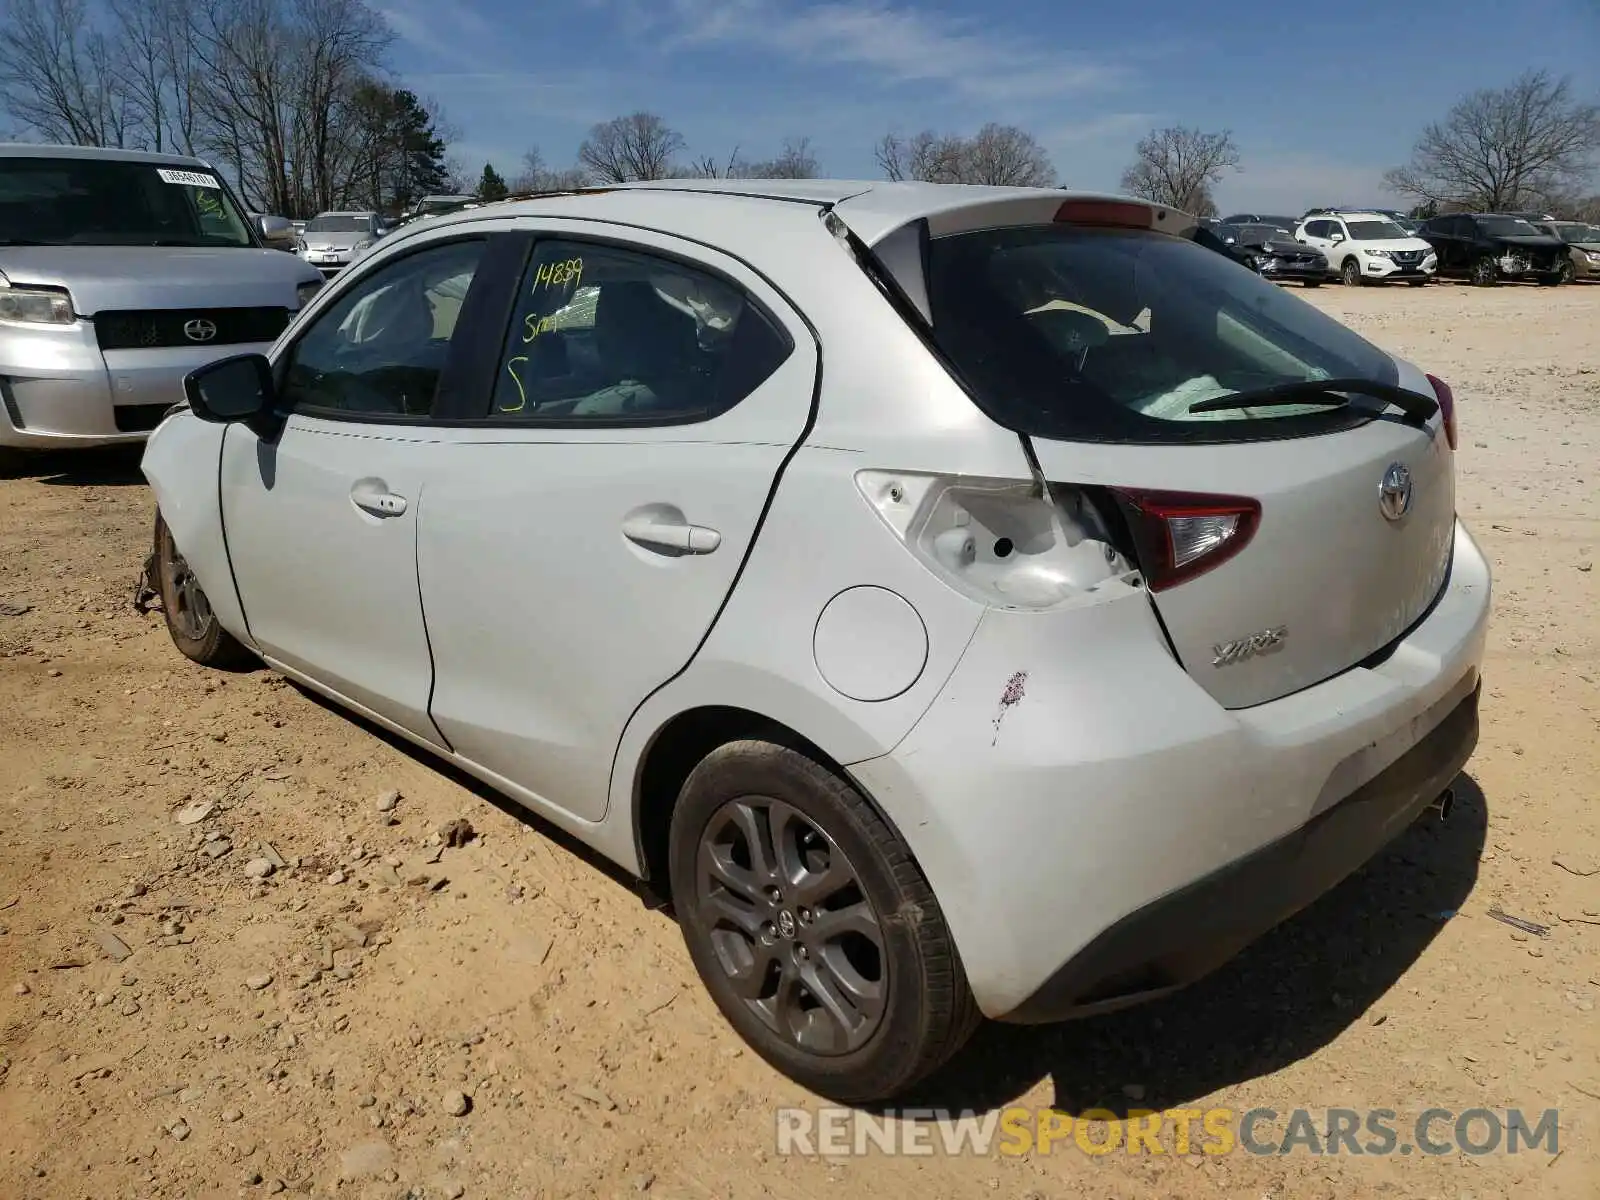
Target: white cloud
(900, 44)
(436, 31)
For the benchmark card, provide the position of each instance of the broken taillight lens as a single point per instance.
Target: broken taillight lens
(1179, 535)
(1447, 408)
(999, 541)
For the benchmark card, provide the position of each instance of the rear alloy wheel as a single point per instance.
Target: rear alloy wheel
(1485, 272)
(1350, 273)
(1567, 273)
(194, 628)
(812, 927)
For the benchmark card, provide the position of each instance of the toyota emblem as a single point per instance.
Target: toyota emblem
(199, 330)
(1394, 492)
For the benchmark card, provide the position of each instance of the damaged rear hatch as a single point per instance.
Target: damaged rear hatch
(1286, 487)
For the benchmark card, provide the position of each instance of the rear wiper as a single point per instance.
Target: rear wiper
(1418, 409)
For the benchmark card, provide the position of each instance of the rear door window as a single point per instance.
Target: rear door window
(611, 335)
(1112, 334)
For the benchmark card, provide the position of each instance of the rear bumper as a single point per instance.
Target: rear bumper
(1189, 933)
(1059, 830)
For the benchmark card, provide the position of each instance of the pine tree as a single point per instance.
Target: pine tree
(492, 186)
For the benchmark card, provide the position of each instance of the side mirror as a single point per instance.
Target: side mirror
(238, 389)
(275, 229)
(1336, 238)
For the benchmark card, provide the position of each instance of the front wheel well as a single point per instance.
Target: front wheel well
(675, 751)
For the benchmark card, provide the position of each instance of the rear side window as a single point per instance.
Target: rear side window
(1111, 334)
(609, 335)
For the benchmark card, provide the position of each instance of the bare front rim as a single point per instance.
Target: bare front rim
(191, 610)
(791, 926)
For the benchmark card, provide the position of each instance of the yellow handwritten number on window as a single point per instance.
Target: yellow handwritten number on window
(522, 396)
(558, 274)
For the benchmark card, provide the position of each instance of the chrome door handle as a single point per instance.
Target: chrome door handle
(671, 537)
(373, 496)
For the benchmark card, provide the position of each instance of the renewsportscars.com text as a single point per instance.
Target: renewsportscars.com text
(842, 1132)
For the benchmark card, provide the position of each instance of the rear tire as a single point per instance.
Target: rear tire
(194, 628)
(1350, 273)
(811, 925)
(1485, 272)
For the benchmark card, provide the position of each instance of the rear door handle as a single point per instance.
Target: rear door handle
(374, 496)
(670, 537)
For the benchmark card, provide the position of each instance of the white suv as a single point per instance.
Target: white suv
(1366, 245)
(959, 599)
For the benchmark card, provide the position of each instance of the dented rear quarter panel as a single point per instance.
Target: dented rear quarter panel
(182, 463)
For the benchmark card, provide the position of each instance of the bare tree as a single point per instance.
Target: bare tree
(535, 176)
(1505, 148)
(638, 146)
(1001, 155)
(1179, 166)
(928, 156)
(797, 160)
(56, 75)
(1005, 156)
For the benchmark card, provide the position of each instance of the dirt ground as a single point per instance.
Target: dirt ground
(304, 1032)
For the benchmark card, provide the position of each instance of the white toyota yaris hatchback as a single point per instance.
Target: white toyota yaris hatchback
(959, 600)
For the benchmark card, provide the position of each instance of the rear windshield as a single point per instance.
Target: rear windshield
(1110, 335)
(107, 202)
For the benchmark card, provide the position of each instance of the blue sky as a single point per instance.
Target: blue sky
(1320, 100)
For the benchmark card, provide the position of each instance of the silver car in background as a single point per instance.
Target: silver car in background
(331, 241)
(120, 272)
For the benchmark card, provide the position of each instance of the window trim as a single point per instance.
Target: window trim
(489, 419)
(280, 366)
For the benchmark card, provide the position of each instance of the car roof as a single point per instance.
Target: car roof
(872, 209)
(102, 153)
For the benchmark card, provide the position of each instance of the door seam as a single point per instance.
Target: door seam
(422, 608)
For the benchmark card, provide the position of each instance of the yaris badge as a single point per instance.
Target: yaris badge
(1394, 492)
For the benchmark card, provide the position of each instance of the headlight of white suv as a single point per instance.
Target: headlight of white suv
(1376, 253)
(307, 290)
(35, 306)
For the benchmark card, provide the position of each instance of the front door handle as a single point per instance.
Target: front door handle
(670, 537)
(374, 496)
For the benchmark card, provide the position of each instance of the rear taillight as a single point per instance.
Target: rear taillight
(1447, 408)
(1120, 213)
(1180, 535)
(999, 541)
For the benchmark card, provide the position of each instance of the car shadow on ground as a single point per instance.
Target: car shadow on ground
(108, 466)
(1285, 997)
(1282, 999)
(553, 833)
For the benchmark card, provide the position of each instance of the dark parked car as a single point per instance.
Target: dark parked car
(1260, 219)
(1583, 247)
(1489, 247)
(1268, 250)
